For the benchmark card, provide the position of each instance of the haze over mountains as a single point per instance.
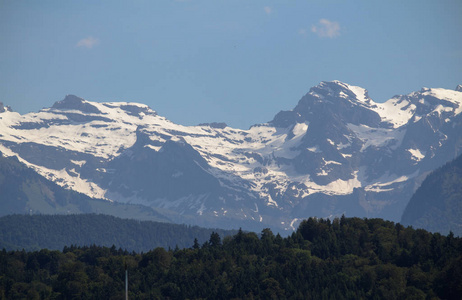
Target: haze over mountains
(22, 190)
(437, 204)
(337, 152)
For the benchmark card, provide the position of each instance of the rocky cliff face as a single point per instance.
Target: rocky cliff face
(337, 152)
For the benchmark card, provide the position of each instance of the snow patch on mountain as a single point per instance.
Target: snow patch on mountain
(300, 129)
(78, 162)
(336, 187)
(417, 155)
(361, 94)
(396, 111)
(386, 182)
(454, 97)
(377, 137)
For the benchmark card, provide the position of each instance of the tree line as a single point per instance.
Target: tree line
(346, 258)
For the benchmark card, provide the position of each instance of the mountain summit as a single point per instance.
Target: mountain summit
(4, 108)
(71, 102)
(337, 152)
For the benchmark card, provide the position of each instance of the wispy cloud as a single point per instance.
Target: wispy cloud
(268, 10)
(326, 28)
(88, 42)
(302, 31)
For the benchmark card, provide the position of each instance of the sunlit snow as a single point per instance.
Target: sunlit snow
(232, 154)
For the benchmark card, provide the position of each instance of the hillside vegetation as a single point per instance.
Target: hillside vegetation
(56, 231)
(340, 259)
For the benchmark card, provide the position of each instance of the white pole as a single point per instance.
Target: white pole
(126, 282)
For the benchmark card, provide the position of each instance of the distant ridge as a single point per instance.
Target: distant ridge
(437, 204)
(53, 232)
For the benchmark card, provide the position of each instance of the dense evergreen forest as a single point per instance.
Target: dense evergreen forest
(53, 232)
(347, 258)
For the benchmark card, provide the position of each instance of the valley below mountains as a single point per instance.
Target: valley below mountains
(337, 152)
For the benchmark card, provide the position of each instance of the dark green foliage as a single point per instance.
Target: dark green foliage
(56, 231)
(340, 259)
(437, 204)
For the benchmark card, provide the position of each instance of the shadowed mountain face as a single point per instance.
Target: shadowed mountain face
(337, 152)
(437, 204)
(23, 191)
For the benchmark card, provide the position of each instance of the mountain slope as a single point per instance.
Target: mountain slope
(337, 152)
(54, 232)
(23, 191)
(437, 204)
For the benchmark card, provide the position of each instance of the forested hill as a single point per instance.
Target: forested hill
(437, 204)
(340, 259)
(56, 231)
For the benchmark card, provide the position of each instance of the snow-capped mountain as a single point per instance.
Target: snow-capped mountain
(337, 152)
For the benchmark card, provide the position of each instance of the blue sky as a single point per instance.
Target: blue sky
(239, 62)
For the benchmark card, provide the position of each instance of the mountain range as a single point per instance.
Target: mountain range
(337, 152)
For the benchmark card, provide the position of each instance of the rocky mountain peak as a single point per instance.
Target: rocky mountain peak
(429, 100)
(4, 108)
(459, 88)
(135, 109)
(219, 125)
(72, 102)
(332, 100)
(341, 90)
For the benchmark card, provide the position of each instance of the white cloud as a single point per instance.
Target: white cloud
(268, 10)
(302, 31)
(326, 28)
(88, 42)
